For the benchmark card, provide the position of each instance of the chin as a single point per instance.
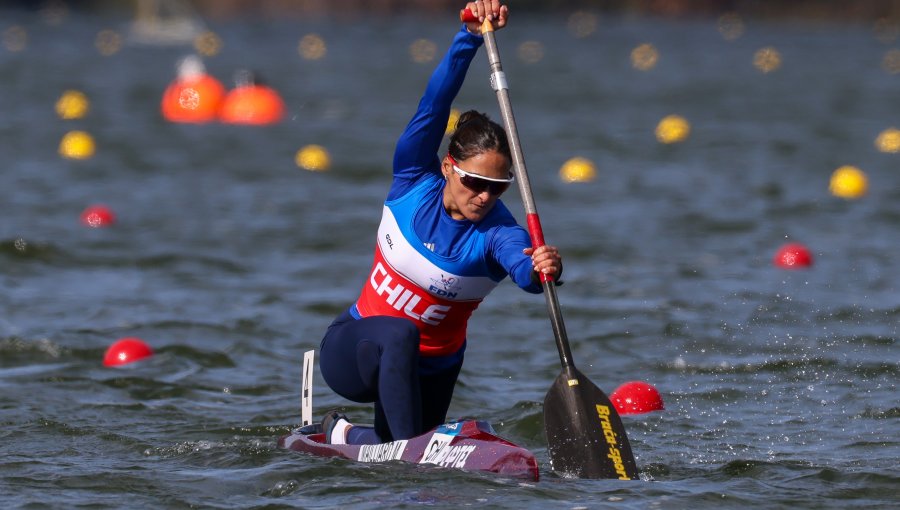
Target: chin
(476, 216)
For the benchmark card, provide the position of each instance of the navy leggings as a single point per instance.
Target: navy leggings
(376, 359)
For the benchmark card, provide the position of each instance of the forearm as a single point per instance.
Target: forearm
(422, 138)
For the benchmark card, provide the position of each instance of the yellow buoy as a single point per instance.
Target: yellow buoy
(673, 129)
(72, 104)
(451, 122)
(848, 182)
(313, 158)
(767, 59)
(731, 26)
(644, 57)
(208, 44)
(76, 145)
(578, 169)
(531, 52)
(888, 140)
(312, 47)
(422, 51)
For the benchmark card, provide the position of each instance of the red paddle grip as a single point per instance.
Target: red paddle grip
(534, 230)
(467, 16)
(537, 238)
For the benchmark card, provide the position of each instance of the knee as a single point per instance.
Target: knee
(404, 337)
(394, 342)
(397, 340)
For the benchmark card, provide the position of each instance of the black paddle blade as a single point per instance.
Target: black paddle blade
(585, 435)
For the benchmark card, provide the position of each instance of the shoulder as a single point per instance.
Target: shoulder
(418, 183)
(500, 226)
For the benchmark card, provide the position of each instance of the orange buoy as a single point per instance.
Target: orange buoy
(251, 102)
(194, 96)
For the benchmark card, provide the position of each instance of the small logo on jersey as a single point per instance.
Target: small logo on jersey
(430, 246)
(446, 286)
(387, 237)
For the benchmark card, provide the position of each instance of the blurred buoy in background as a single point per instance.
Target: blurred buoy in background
(126, 350)
(15, 38)
(451, 122)
(72, 104)
(767, 60)
(673, 129)
(251, 102)
(793, 256)
(54, 12)
(108, 42)
(578, 169)
(313, 158)
(312, 47)
(531, 52)
(422, 51)
(582, 24)
(194, 96)
(891, 61)
(77, 145)
(208, 44)
(636, 397)
(730, 25)
(888, 141)
(848, 182)
(644, 57)
(97, 216)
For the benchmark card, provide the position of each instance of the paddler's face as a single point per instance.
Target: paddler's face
(466, 195)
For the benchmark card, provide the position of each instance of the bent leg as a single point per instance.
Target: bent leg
(376, 359)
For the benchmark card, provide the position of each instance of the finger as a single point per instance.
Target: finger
(504, 14)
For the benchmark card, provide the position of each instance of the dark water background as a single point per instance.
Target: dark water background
(780, 387)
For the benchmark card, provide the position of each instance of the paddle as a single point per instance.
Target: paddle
(585, 436)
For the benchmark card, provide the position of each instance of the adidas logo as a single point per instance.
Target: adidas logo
(430, 246)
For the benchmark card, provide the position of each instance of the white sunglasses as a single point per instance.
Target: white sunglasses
(480, 183)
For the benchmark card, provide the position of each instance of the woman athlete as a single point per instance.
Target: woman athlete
(444, 242)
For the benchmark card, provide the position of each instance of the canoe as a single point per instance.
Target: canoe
(469, 445)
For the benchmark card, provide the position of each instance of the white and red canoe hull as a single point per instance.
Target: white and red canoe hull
(468, 445)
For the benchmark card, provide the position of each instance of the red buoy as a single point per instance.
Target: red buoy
(97, 216)
(793, 256)
(636, 397)
(126, 350)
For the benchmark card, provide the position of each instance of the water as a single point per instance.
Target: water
(780, 387)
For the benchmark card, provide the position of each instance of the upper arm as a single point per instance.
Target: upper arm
(507, 243)
(417, 147)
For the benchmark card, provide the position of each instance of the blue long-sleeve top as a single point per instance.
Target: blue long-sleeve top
(416, 159)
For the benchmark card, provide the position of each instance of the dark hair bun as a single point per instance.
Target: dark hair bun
(476, 133)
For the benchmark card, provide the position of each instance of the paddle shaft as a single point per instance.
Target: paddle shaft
(498, 83)
(586, 436)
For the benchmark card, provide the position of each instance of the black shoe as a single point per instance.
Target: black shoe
(329, 421)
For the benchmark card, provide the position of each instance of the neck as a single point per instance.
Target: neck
(450, 206)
